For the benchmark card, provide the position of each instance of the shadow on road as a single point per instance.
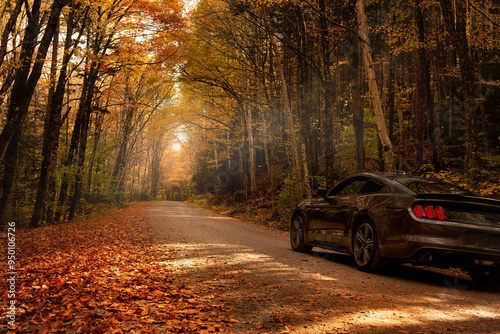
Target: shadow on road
(451, 278)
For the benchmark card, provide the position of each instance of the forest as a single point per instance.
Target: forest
(243, 102)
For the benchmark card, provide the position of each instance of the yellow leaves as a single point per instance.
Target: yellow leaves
(487, 188)
(258, 3)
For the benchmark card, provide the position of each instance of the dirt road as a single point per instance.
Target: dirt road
(266, 287)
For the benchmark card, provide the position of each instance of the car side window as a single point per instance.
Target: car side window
(371, 186)
(356, 186)
(352, 188)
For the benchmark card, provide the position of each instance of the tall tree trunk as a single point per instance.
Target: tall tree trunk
(356, 104)
(421, 112)
(25, 81)
(8, 72)
(331, 116)
(70, 157)
(99, 118)
(243, 171)
(264, 131)
(78, 145)
(387, 146)
(484, 120)
(357, 111)
(304, 105)
(9, 164)
(8, 29)
(30, 69)
(251, 148)
(306, 171)
(290, 125)
(451, 105)
(126, 131)
(247, 111)
(418, 116)
(49, 132)
(268, 134)
(391, 105)
(267, 154)
(456, 26)
(155, 166)
(82, 147)
(438, 133)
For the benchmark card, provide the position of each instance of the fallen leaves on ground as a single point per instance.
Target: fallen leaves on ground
(103, 276)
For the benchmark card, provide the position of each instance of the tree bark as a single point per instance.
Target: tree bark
(264, 132)
(330, 131)
(456, 26)
(50, 133)
(306, 171)
(290, 125)
(10, 161)
(156, 154)
(247, 111)
(387, 146)
(98, 120)
(77, 147)
(25, 80)
(391, 105)
(86, 108)
(484, 119)
(251, 148)
(421, 112)
(126, 131)
(99, 44)
(357, 111)
(438, 133)
(8, 29)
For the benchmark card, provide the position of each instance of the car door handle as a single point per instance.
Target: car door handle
(344, 206)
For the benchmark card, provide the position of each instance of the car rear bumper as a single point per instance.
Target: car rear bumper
(445, 243)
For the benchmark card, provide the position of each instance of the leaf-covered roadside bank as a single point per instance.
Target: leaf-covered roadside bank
(104, 275)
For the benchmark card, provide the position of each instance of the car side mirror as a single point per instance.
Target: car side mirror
(321, 192)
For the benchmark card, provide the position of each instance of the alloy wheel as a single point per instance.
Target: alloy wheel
(297, 232)
(364, 244)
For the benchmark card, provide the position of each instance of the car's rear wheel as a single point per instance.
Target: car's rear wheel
(297, 234)
(366, 252)
(485, 277)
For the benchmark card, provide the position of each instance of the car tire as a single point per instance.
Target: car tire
(297, 234)
(365, 248)
(485, 277)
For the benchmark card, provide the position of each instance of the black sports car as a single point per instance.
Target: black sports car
(382, 217)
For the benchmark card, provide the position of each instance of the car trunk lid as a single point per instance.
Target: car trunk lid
(463, 208)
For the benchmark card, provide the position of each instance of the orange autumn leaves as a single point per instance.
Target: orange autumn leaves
(103, 276)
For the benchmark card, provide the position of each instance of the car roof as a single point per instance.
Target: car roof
(380, 175)
(388, 176)
(396, 186)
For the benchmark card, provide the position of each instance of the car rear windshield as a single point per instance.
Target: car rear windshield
(423, 186)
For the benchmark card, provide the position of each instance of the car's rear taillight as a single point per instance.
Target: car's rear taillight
(441, 214)
(418, 210)
(430, 211)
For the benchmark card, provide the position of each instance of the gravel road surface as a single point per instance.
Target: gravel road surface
(266, 287)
